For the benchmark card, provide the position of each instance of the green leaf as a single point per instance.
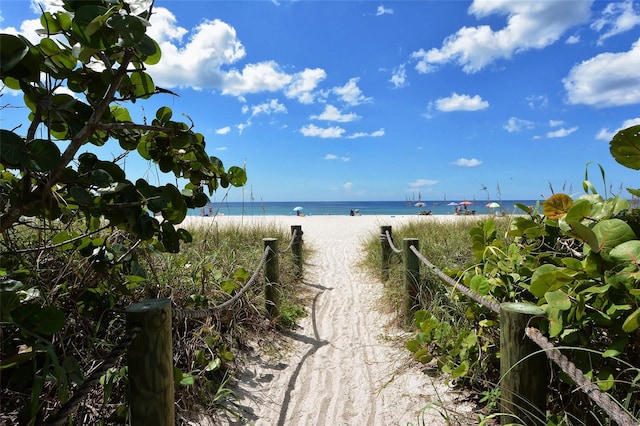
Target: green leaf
(558, 299)
(626, 252)
(585, 234)
(625, 147)
(543, 279)
(479, 284)
(617, 347)
(611, 233)
(632, 322)
(461, 370)
(213, 365)
(39, 320)
(44, 155)
(16, 59)
(13, 149)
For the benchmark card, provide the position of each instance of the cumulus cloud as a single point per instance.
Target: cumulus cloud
(376, 134)
(347, 186)
(467, 162)
(383, 11)
(303, 84)
(461, 103)
(606, 80)
(331, 113)
(515, 124)
(399, 77)
(350, 93)
(334, 157)
(606, 135)
(268, 108)
(223, 130)
(561, 133)
(617, 17)
(530, 25)
(327, 132)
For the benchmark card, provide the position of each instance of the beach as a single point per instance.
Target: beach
(345, 364)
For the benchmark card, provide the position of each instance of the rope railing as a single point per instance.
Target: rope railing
(493, 306)
(203, 313)
(387, 236)
(603, 400)
(514, 318)
(149, 337)
(60, 418)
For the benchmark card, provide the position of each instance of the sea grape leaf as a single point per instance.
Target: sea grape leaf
(625, 147)
(557, 206)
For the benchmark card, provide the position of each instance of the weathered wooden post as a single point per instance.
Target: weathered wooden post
(150, 364)
(411, 278)
(385, 251)
(271, 292)
(296, 249)
(524, 369)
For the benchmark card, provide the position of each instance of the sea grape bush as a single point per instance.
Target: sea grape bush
(58, 198)
(579, 260)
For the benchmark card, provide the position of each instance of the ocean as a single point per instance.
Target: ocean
(378, 208)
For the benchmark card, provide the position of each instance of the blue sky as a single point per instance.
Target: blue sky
(370, 100)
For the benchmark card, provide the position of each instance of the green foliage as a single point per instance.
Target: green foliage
(74, 225)
(578, 259)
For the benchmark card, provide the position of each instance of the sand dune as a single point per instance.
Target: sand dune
(345, 364)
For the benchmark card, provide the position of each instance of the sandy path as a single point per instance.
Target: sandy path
(344, 367)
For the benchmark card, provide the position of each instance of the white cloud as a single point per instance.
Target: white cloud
(350, 93)
(221, 148)
(617, 17)
(561, 133)
(328, 132)
(421, 183)
(347, 186)
(464, 162)
(530, 25)
(574, 39)
(606, 135)
(376, 134)
(537, 102)
(332, 113)
(555, 123)
(515, 124)
(399, 77)
(303, 83)
(608, 79)
(335, 157)
(461, 103)
(223, 130)
(383, 11)
(268, 108)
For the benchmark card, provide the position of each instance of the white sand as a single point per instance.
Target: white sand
(346, 364)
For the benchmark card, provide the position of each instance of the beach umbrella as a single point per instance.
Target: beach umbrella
(465, 203)
(297, 209)
(493, 205)
(452, 204)
(419, 204)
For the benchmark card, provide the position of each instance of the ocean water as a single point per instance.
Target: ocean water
(378, 208)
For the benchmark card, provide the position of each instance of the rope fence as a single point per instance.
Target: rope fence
(148, 343)
(524, 372)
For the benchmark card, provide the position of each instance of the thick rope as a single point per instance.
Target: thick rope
(387, 236)
(601, 399)
(294, 239)
(495, 307)
(203, 313)
(61, 417)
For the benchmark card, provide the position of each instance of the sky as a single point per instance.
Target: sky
(389, 100)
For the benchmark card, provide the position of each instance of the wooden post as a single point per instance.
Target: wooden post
(296, 249)
(150, 364)
(524, 369)
(385, 252)
(411, 278)
(271, 277)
